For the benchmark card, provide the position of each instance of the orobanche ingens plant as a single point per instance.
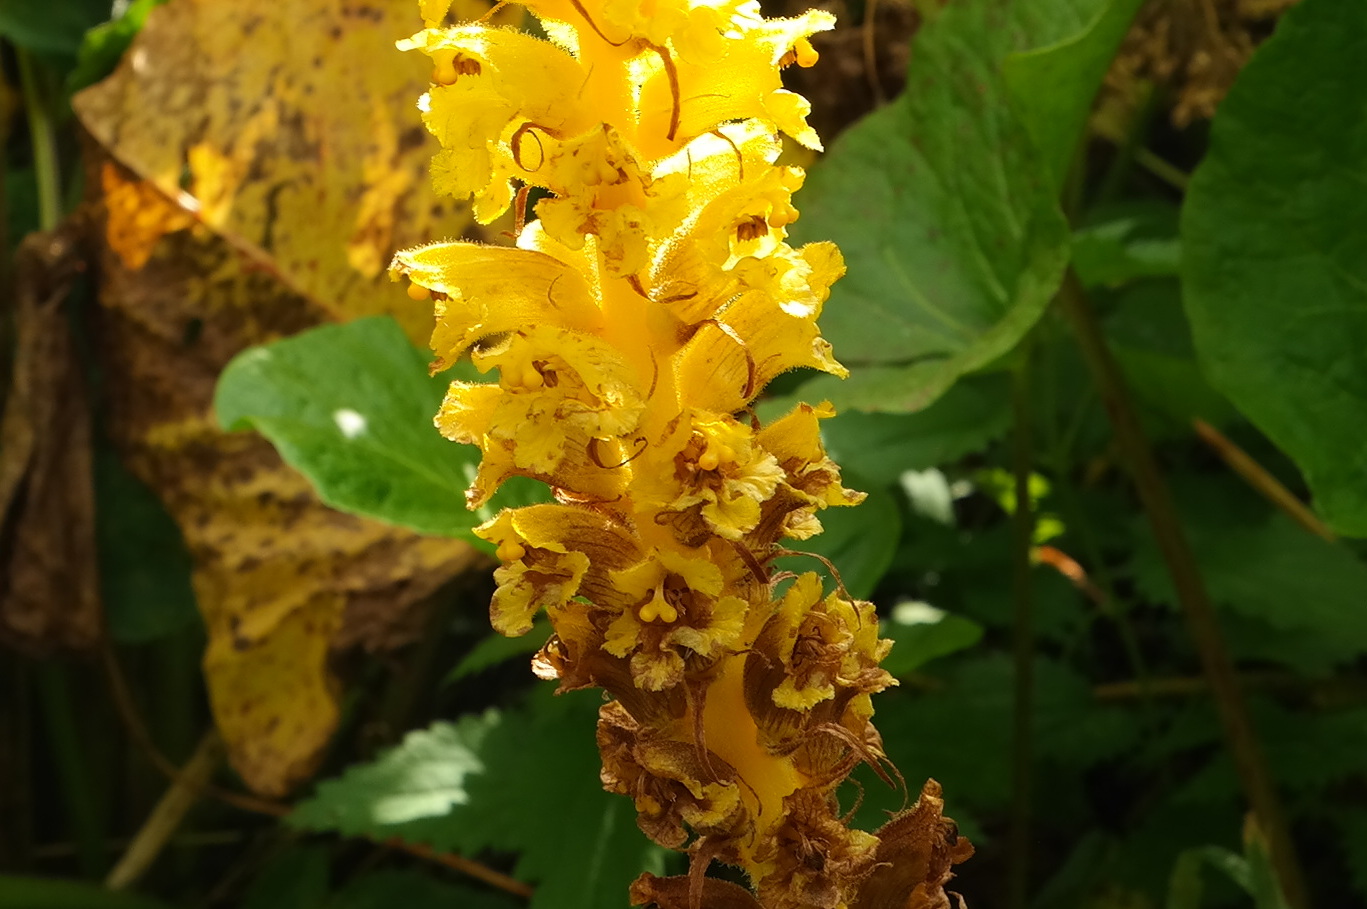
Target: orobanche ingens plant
(632, 327)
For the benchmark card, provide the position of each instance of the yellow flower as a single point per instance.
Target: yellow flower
(646, 306)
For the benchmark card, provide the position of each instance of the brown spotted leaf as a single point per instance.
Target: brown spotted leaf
(257, 162)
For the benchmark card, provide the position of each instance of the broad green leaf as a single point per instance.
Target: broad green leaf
(1274, 572)
(1150, 337)
(23, 892)
(944, 208)
(523, 781)
(880, 446)
(921, 633)
(351, 407)
(1052, 86)
(1273, 237)
(859, 541)
(50, 28)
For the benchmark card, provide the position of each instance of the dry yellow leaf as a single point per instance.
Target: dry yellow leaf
(267, 159)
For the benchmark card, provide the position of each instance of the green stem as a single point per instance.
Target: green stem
(1136, 133)
(1170, 174)
(1191, 590)
(1023, 525)
(78, 793)
(43, 134)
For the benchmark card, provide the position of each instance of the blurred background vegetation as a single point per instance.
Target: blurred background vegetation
(1106, 319)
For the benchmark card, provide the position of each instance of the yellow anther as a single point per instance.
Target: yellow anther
(510, 551)
(418, 292)
(709, 460)
(805, 53)
(532, 377)
(658, 608)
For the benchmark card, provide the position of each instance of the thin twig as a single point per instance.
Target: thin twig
(465, 866)
(1326, 694)
(1191, 591)
(168, 814)
(137, 731)
(1263, 482)
(1162, 169)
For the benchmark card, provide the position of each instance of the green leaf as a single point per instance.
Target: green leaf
(860, 541)
(1273, 233)
(351, 407)
(144, 565)
(921, 633)
(960, 731)
(525, 781)
(1053, 86)
(103, 45)
(1185, 886)
(1352, 824)
(1120, 244)
(295, 879)
(944, 208)
(22, 892)
(391, 887)
(1263, 882)
(1306, 751)
(880, 446)
(50, 28)
(1151, 340)
(1274, 572)
(496, 649)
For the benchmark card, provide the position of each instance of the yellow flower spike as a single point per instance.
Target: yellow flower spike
(648, 302)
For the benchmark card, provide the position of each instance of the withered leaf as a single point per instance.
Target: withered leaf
(683, 892)
(257, 163)
(918, 850)
(49, 596)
